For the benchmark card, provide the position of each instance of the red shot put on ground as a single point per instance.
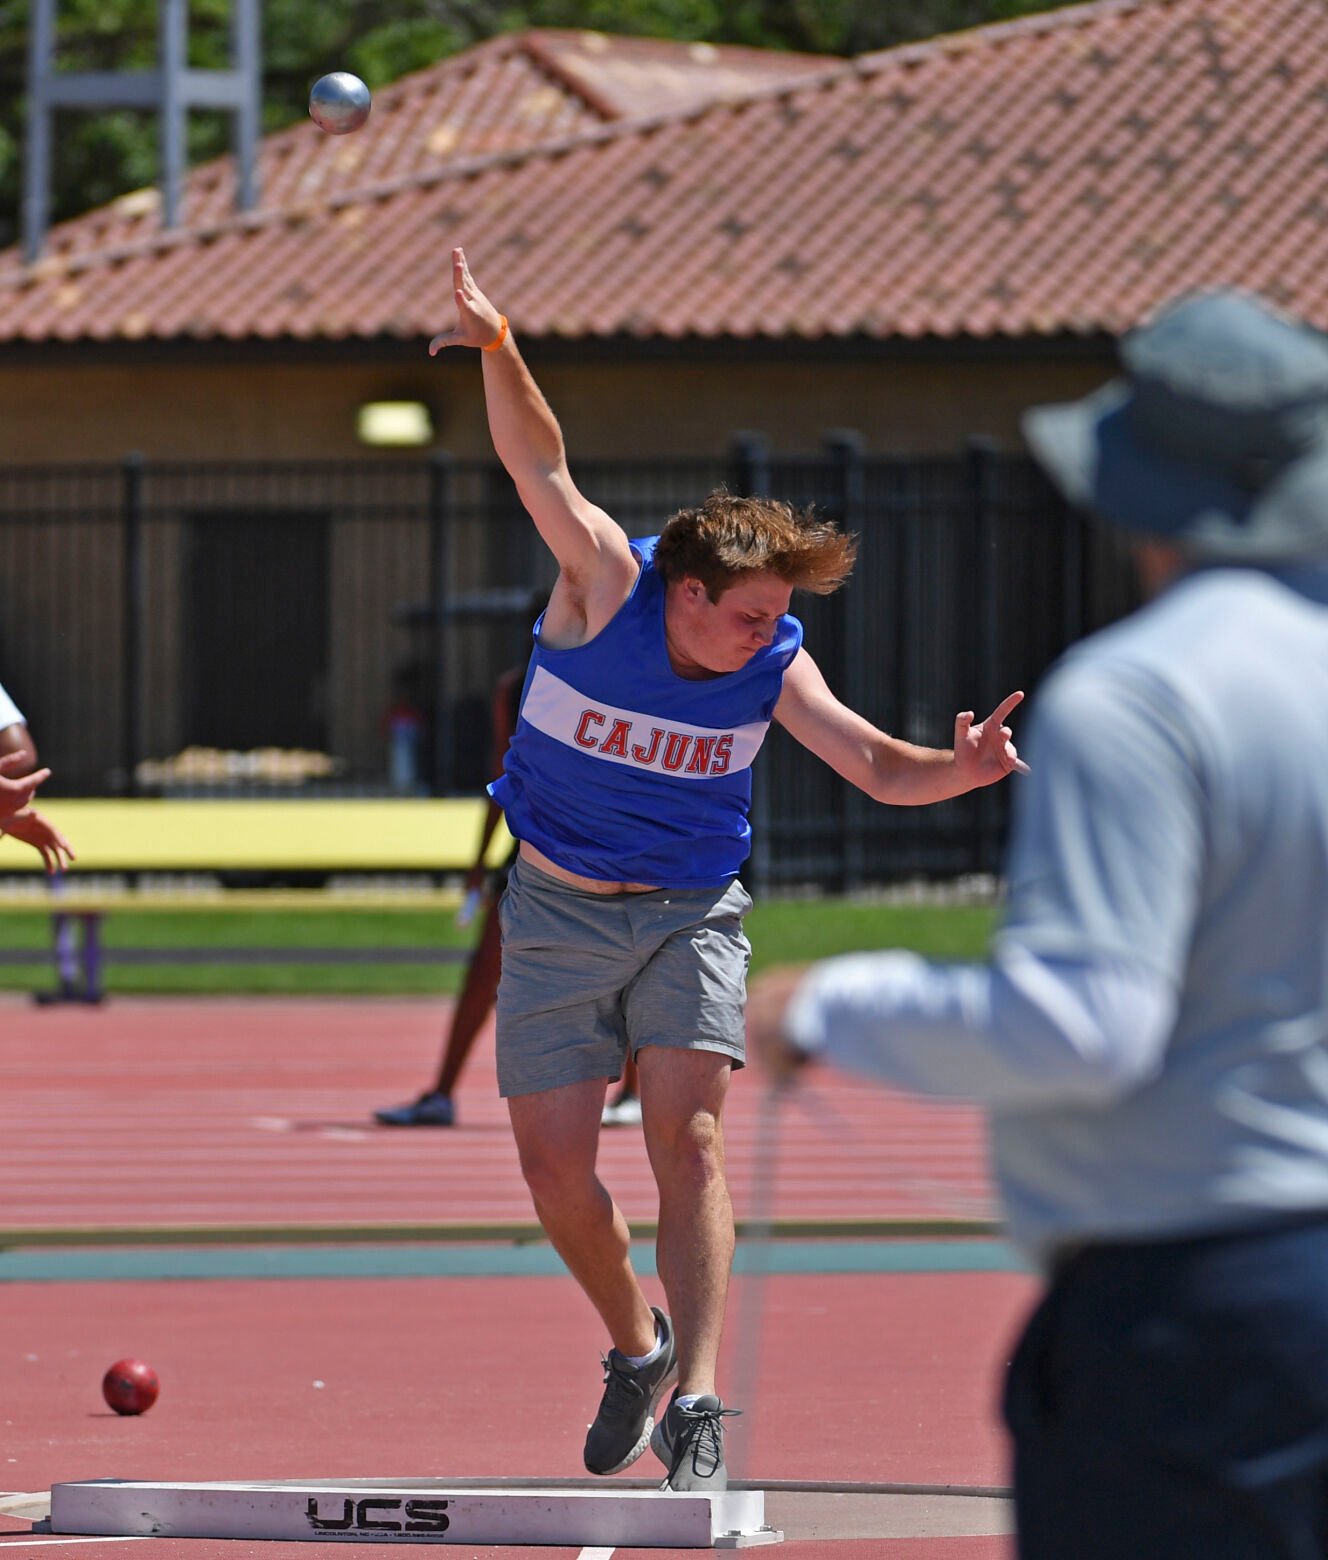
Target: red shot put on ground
(130, 1386)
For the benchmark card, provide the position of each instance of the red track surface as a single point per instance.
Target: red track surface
(238, 1111)
(259, 1112)
(884, 1378)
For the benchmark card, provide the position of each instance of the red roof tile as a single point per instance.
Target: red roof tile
(634, 77)
(508, 94)
(1061, 174)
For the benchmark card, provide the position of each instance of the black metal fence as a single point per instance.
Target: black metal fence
(305, 629)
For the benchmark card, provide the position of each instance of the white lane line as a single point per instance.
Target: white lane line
(12, 1541)
(595, 1554)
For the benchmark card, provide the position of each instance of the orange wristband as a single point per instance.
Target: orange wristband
(500, 337)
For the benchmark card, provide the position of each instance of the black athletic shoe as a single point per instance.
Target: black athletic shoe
(430, 1110)
(690, 1444)
(621, 1431)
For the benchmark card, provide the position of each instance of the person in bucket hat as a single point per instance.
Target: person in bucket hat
(1215, 439)
(1150, 1036)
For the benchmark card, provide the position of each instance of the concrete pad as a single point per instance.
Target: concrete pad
(814, 1514)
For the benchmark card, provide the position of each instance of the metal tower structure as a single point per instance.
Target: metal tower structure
(171, 90)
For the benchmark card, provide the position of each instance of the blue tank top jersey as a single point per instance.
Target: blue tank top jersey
(621, 770)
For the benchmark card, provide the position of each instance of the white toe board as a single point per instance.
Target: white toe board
(415, 1511)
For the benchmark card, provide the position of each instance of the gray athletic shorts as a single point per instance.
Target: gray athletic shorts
(587, 976)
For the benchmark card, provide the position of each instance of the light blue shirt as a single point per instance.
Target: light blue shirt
(1151, 1037)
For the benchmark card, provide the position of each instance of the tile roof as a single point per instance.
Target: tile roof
(631, 77)
(507, 94)
(1059, 174)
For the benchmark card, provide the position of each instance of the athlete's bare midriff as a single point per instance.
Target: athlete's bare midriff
(537, 858)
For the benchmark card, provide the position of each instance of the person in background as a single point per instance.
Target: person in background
(1151, 1035)
(15, 738)
(624, 1109)
(436, 1107)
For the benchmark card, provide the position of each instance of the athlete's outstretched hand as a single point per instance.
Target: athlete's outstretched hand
(478, 322)
(30, 827)
(985, 753)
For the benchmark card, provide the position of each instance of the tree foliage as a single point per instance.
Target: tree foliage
(97, 157)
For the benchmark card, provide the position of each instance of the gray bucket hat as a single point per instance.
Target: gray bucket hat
(1215, 438)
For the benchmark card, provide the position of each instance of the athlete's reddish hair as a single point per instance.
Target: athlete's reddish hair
(727, 538)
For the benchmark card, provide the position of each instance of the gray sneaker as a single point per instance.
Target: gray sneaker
(690, 1444)
(621, 1431)
(430, 1110)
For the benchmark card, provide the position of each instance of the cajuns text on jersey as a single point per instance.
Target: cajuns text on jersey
(622, 770)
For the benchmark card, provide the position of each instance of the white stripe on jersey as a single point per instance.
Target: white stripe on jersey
(640, 741)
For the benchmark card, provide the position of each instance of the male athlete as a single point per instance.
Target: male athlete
(658, 666)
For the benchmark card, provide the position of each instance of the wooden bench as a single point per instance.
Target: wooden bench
(375, 837)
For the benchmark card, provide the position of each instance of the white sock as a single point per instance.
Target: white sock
(638, 1360)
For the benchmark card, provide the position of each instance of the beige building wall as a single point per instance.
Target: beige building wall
(231, 412)
(608, 408)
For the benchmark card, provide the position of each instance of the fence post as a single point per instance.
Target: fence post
(441, 474)
(749, 464)
(844, 447)
(131, 667)
(980, 457)
(749, 476)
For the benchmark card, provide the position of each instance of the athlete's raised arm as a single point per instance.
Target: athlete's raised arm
(597, 564)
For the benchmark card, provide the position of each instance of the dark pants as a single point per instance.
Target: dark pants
(1170, 1402)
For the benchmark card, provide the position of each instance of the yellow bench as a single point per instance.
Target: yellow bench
(381, 836)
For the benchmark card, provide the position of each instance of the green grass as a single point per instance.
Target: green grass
(782, 931)
(791, 931)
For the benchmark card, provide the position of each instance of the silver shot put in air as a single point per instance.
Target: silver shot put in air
(339, 103)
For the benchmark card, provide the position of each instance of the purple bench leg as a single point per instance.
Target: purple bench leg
(92, 991)
(75, 983)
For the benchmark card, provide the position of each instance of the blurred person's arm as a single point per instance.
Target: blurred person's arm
(19, 776)
(1024, 1032)
(18, 781)
(16, 742)
(15, 738)
(30, 827)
